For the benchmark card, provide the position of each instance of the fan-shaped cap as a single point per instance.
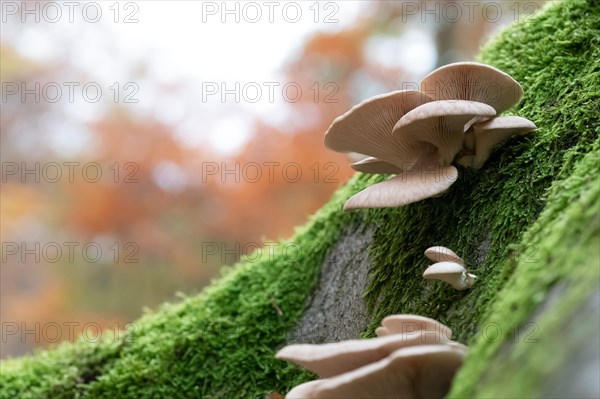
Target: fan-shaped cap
(452, 273)
(335, 358)
(374, 165)
(305, 391)
(367, 127)
(475, 82)
(424, 371)
(443, 254)
(421, 182)
(411, 324)
(489, 133)
(441, 124)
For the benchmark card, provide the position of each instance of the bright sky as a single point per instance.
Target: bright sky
(205, 47)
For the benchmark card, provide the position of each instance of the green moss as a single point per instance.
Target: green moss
(565, 244)
(486, 213)
(526, 223)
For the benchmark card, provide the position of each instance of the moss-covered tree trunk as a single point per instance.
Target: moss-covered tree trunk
(528, 224)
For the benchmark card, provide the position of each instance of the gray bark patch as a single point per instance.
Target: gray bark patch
(336, 311)
(578, 375)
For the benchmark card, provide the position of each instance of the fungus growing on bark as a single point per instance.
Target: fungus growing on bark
(417, 135)
(452, 273)
(424, 371)
(449, 267)
(332, 359)
(415, 359)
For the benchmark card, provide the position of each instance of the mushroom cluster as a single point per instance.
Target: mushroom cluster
(412, 357)
(449, 268)
(417, 135)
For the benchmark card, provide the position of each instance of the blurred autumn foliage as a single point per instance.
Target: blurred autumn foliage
(159, 202)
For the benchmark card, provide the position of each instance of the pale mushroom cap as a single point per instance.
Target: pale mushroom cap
(475, 82)
(489, 133)
(444, 268)
(443, 254)
(304, 391)
(367, 127)
(424, 371)
(374, 165)
(411, 324)
(441, 124)
(335, 358)
(405, 188)
(452, 273)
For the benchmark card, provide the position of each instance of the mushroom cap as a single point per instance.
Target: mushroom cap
(367, 127)
(475, 82)
(304, 391)
(444, 269)
(439, 124)
(424, 371)
(336, 358)
(452, 273)
(443, 254)
(489, 133)
(374, 165)
(411, 324)
(424, 181)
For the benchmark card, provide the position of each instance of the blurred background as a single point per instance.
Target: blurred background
(146, 144)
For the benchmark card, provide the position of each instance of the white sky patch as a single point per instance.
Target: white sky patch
(414, 51)
(229, 134)
(69, 141)
(193, 42)
(36, 45)
(183, 43)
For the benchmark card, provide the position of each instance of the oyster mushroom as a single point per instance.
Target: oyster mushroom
(452, 273)
(331, 359)
(419, 134)
(424, 371)
(415, 359)
(489, 133)
(440, 125)
(367, 127)
(443, 254)
(423, 181)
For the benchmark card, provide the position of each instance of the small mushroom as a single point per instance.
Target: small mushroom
(424, 371)
(331, 359)
(452, 273)
(412, 324)
(489, 133)
(443, 254)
